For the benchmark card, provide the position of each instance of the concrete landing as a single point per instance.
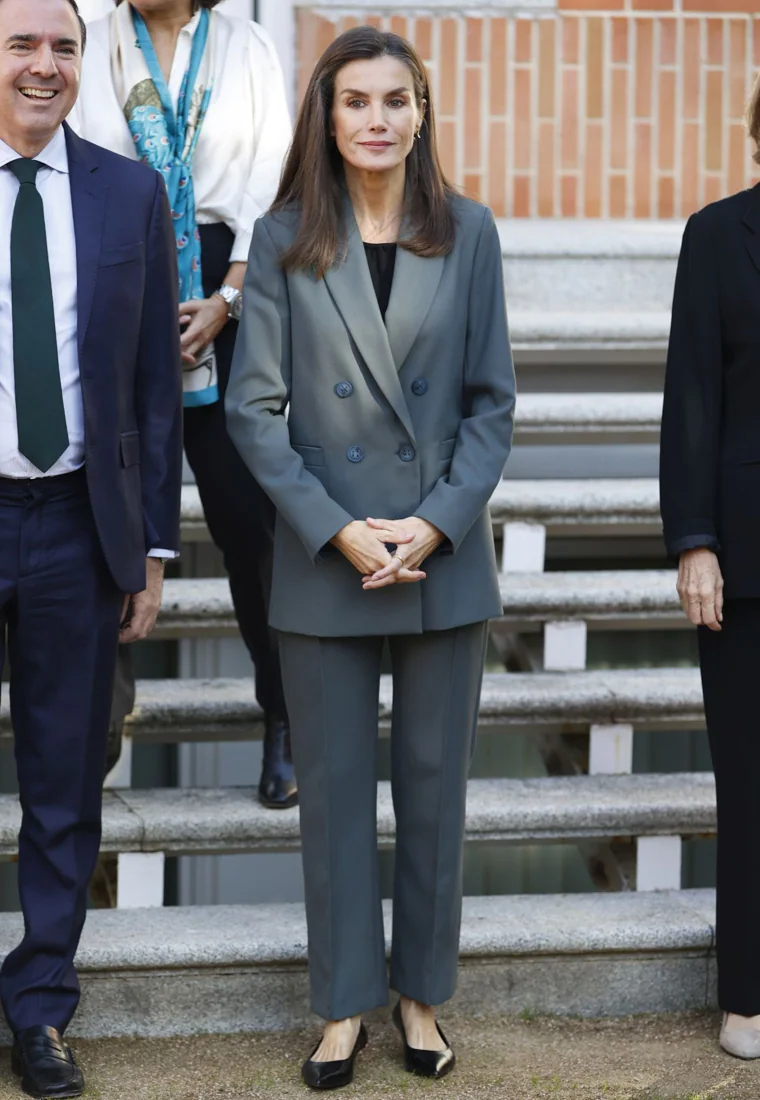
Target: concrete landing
(500, 1058)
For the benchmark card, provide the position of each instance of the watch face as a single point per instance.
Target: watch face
(236, 308)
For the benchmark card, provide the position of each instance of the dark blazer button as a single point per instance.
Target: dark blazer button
(344, 389)
(407, 453)
(355, 454)
(419, 387)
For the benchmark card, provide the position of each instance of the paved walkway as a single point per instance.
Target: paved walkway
(652, 1058)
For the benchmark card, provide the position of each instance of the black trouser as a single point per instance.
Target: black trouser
(239, 514)
(730, 662)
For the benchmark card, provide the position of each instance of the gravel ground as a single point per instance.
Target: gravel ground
(643, 1058)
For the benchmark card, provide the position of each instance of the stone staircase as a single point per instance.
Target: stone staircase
(153, 971)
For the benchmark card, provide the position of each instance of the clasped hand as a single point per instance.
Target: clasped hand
(365, 544)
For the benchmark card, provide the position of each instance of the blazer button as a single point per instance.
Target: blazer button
(407, 453)
(355, 454)
(344, 389)
(419, 387)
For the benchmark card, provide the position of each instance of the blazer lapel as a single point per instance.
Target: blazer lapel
(350, 286)
(88, 199)
(751, 220)
(415, 284)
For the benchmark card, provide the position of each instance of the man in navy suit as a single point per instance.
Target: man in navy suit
(90, 476)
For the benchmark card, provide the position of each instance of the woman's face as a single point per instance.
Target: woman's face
(375, 114)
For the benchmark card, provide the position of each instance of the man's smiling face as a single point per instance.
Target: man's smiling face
(40, 68)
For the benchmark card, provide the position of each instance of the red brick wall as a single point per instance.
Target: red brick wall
(633, 111)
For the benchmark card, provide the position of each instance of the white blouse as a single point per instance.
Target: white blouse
(246, 133)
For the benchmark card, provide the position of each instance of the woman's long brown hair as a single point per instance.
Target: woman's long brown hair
(313, 178)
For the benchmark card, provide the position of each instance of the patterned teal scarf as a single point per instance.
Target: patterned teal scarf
(167, 143)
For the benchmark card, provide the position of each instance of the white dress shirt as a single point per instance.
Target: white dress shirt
(54, 187)
(246, 133)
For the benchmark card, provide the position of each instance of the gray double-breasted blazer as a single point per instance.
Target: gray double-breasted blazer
(340, 417)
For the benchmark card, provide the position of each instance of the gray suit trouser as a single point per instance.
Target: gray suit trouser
(331, 690)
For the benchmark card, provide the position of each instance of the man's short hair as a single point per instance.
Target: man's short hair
(82, 24)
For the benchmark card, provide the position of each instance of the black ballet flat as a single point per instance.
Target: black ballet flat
(333, 1075)
(424, 1063)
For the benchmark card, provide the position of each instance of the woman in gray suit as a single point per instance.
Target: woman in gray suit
(374, 312)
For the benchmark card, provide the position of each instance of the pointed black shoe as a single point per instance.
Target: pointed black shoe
(333, 1075)
(45, 1064)
(425, 1063)
(277, 789)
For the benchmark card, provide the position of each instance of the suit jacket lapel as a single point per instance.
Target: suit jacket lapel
(751, 220)
(350, 286)
(88, 199)
(415, 284)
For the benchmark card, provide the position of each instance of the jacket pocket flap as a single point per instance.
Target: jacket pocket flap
(446, 448)
(312, 456)
(122, 254)
(130, 448)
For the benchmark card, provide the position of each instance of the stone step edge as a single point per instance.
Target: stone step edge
(204, 821)
(272, 934)
(203, 606)
(575, 502)
(229, 969)
(225, 709)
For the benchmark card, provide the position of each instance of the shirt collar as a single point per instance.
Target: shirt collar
(191, 27)
(54, 155)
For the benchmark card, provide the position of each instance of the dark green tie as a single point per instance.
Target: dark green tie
(40, 416)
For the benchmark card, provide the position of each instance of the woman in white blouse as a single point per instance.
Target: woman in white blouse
(200, 97)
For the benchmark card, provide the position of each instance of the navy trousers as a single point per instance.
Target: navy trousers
(61, 609)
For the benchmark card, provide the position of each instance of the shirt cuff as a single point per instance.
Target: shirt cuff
(694, 542)
(169, 555)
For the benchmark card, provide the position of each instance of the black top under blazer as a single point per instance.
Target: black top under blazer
(710, 447)
(410, 417)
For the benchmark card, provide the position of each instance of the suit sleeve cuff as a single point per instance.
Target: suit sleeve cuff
(693, 542)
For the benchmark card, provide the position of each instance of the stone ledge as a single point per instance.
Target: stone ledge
(188, 822)
(592, 239)
(183, 971)
(226, 710)
(570, 418)
(599, 329)
(647, 598)
(573, 503)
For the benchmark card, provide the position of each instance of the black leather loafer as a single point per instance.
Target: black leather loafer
(277, 789)
(425, 1063)
(45, 1064)
(333, 1075)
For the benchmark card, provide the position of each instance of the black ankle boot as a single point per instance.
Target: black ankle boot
(277, 789)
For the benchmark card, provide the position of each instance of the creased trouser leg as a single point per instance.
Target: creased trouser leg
(437, 679)
(331, 690)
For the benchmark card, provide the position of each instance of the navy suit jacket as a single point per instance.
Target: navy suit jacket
(129, 355)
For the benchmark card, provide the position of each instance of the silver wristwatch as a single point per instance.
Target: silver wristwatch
(234, 299)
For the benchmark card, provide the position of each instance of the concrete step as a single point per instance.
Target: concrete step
(610, 287)
(604, 599)
(585, 265)
(226, 710)
(203, 821)
(572, 506)
(203, 710)
(182, 971)
(575, 418)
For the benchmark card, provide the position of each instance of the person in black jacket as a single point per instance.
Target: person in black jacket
(710, 500)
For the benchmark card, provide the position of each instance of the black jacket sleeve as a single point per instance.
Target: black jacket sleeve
(691, 419)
